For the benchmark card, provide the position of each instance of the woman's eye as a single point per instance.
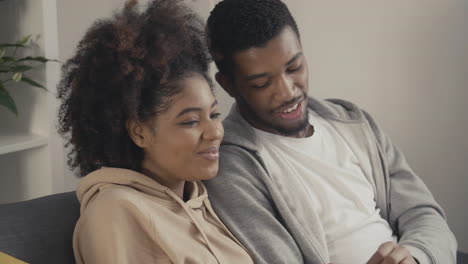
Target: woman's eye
(189, 123)
(215, 115)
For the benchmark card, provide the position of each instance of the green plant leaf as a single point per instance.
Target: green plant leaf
(32, 83)
(21, 68)
(8, 59)
(5, 68)
(2, 52)
(15, 68)
(7, 45)
(17, 76)
(38, 59)
(6, 100)
(24, 40)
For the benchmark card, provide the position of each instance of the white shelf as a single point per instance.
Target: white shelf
(19, 142)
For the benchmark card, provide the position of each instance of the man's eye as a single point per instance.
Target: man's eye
(215, 115)
(295, 69)
(261, 86)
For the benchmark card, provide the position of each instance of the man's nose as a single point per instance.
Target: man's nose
(285, 89)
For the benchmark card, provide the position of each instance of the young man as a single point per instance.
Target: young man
(304, 180)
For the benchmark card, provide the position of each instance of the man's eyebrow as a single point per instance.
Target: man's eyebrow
(256, 76)
(291, 61)
(261, 75)
(194, 109)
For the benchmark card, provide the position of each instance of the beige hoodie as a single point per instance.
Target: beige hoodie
(127, 217)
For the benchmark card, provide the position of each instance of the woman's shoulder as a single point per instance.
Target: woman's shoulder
(113, 200)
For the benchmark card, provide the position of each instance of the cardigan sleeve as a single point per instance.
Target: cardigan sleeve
(418, 219)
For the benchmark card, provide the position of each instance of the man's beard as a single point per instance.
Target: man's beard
(243, 104)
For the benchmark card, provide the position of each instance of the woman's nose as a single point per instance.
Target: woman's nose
(214, 130)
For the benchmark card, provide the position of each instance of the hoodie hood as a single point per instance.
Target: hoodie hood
(94, 182)
(237, 131)
(124, 205)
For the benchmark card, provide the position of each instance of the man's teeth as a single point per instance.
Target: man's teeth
(292, 108)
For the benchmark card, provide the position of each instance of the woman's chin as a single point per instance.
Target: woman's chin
(208, 173)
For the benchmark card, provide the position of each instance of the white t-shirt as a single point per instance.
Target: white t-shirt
(336, 186)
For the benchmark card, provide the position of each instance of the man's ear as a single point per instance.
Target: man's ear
(137, 133)
(227, 84)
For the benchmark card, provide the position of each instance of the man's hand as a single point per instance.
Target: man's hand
(391, 253)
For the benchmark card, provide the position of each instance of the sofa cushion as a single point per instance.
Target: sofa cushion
(40, 230)
(7, 259)
(462, 258)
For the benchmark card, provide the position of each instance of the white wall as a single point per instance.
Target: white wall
(406, 62)
(25, 174)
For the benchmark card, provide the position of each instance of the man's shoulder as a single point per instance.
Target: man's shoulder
(238, 132)
(336, 109)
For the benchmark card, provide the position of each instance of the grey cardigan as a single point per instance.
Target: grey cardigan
(269, 212)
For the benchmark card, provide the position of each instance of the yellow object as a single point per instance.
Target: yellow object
(7, 259)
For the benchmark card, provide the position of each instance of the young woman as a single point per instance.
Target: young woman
(140, 117)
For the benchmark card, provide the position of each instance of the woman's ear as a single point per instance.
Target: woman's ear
(226, 83)
(136, 131)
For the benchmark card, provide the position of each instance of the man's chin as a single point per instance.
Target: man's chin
(292, 130)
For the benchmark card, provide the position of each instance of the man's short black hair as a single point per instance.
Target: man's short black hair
(236, 25)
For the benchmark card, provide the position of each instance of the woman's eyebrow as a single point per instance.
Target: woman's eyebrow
(194, 109)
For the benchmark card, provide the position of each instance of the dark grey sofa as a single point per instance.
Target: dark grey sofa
(39, 231)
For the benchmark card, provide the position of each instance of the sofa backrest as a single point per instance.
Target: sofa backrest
(40, 230)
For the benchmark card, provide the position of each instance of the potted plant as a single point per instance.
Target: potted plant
(14, 68)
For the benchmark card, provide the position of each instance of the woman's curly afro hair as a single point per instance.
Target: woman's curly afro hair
(124, 69)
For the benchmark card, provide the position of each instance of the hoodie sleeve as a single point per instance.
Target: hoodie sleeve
(243, 202)
(418, 219)
(114, 231)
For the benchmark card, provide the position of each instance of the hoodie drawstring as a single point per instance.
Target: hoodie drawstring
(184, 206)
